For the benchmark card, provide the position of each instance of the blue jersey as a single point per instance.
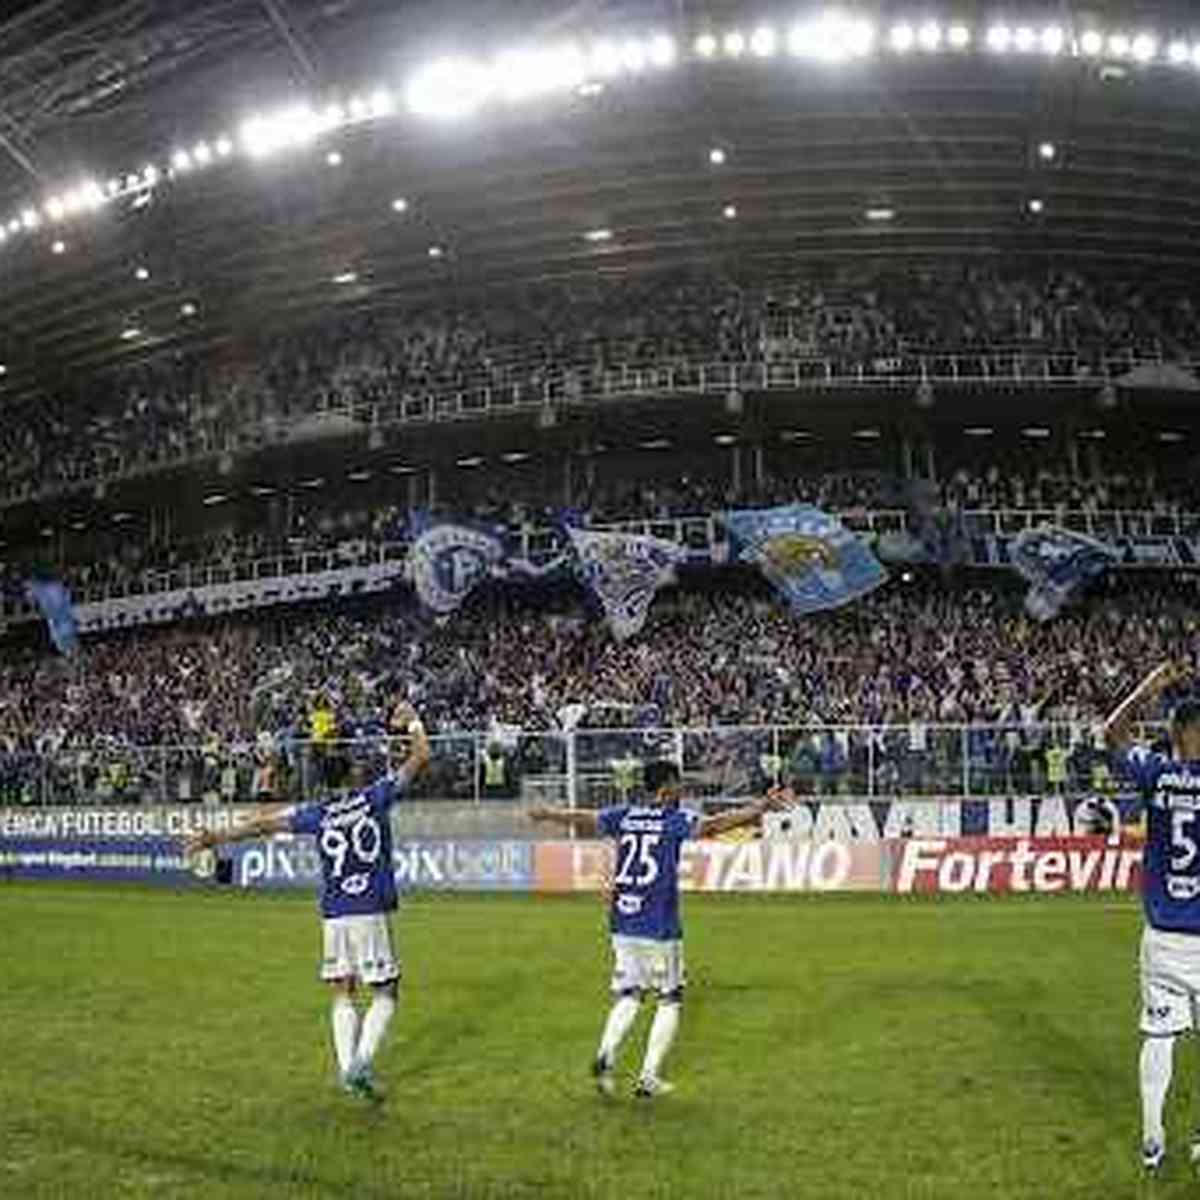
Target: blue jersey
(354, 841)
(1171, 866)
(645, 900)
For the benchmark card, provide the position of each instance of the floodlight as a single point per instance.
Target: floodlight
(400, 205)
(14, 226)
(187, 309)
(729, 212)
(55, 209)
(930, 36)
(735, 44)
(1091, 43)
(902, 38)
(999, 38)
(141, 273)
(633, 56)
(717, 156)
(1047, 151)
(181, 160)
(58, 248)
(763, 42)
(450, 88)
(334, 158)
(224, 146)
(1024, 39)
(1037, 206)
(605, 59)
(202, 154)
(1144, 47)
(662, 50)
(1053, 40)
(1118, 45)
(150, 175)
(30, 219)
(959, 36)
(706, 45)
(1179, 53)
(381, 103)
(436, 252)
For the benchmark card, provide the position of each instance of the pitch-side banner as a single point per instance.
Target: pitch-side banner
(624, 572)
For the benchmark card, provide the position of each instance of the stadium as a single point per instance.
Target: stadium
(490, 468)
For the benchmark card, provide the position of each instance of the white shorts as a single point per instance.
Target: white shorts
(644, 965)
(1170, 981)
(359, 947)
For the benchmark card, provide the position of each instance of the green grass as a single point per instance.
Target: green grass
(158, 1044)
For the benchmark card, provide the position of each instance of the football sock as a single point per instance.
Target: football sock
(662, 1034)
(620, 1020)
(1155, 1072)
(345, 1030)
(375, 1024)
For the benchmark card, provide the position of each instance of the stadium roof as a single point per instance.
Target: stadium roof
(899, 155)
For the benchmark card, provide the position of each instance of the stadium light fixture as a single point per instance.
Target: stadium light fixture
(1179, 53)
(333, 158)
(436, 252)
(881, 214)
(959, 37)
(999, 38)
(3, 370)
(130, 332)
(215, 498)
(150, 175)
(725, 439)
(345, 277)
(902, 38)
(1144, 47)
(1170, 435)
(381, 103)
(514, 456)
(930, 36)
(1037, 206)
(605, 60)
(141, 274)
(979, 431)
(717, 156)
(1047, 151)
(1091, 43)
(202, 153)
(764, 42)
(706, 45)
(14, 226)
(1053, 40)
(30, 219)
(1119, 45)
(730, 212)
(187, 309)
(58, 247)
(1037, 432)
(473, 460)
(55, 209)
(662, 50)
(1024, 39)
(868, 435)
(598, 235)
(734, 44)
(450, 88)
(181, 160)
(224, 146)
(400, 205)
(633, 56)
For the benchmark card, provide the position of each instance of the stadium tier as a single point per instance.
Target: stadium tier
(724, 468)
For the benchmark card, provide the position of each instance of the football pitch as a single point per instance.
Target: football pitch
(163, 1044)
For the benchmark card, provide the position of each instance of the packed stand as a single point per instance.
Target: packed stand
(181, 406)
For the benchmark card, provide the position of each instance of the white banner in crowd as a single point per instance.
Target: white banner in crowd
(625, 571)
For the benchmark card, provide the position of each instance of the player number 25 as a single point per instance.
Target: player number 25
(364, 840)
(638, 866)
(1183, 843)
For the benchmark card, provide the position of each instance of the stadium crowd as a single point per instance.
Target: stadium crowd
(180, 406)
(111, 560)
(914, 656)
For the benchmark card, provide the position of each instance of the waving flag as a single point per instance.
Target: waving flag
(1059, 564)
(624, 572)
(55, 604)
(449, 559)
(810, 557)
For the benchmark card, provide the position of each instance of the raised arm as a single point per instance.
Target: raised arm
(406, 721)
(748, 814)
(582, 819)
(264, 823)
(1118, 729)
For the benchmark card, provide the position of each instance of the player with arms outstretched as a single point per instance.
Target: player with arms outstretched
(1170, 954)
(647, 939)
(353, 833)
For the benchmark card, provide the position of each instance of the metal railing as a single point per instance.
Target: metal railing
(595, 767)
(533, 388)
(699, 534)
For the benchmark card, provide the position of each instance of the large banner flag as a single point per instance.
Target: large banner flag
(1059, 564)
(810, 557)
(624, 572)
(449, 559)
(55, 604)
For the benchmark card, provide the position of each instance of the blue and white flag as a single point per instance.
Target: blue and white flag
(1059, 564)
(810, 557)
(54, 603)
(624, 572)
(449, 559)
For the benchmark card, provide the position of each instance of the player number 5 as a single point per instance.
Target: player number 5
(1183, 844)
